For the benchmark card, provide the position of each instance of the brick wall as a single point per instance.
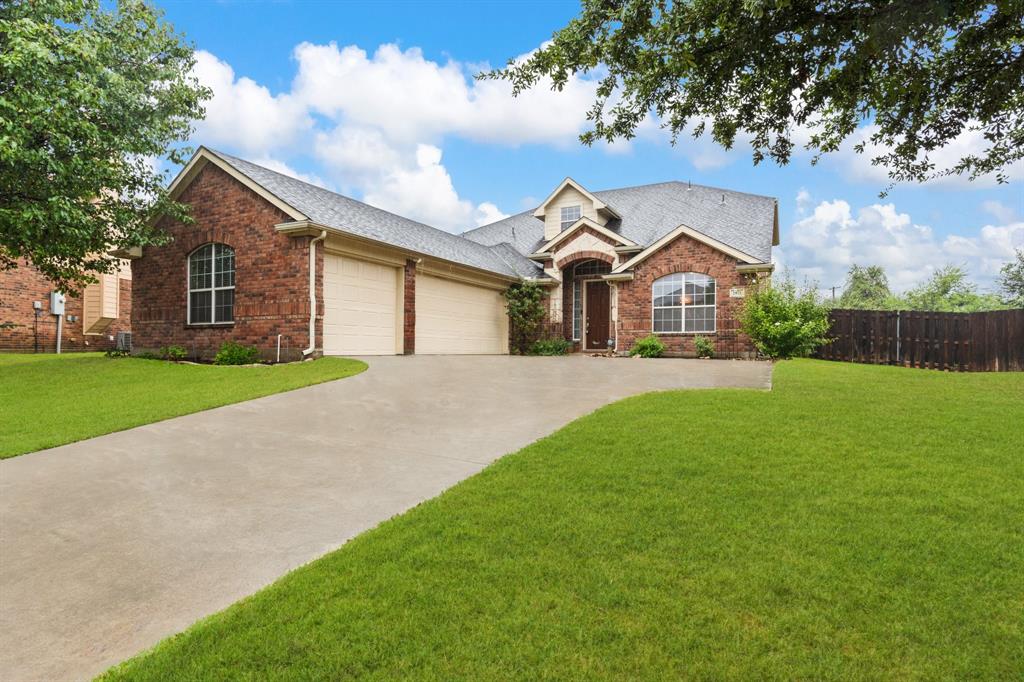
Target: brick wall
(23, 285)
(409, 321)
(271, 275)
(684, 255)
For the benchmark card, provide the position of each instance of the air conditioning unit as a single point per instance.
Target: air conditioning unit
(124, 341)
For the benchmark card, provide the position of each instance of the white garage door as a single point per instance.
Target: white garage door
(360, 307)
(459, 319)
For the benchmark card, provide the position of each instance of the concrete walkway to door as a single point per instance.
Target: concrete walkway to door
(110, 544)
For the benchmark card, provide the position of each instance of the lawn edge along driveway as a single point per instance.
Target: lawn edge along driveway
(51, 400)
(855, 522)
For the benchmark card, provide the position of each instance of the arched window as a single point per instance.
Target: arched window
(684, 302)
(211, 284)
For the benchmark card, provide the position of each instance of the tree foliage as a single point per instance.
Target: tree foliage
(867, 288)
(524, 302)
(787, 72)
(90, 97)
(1011, 281)
(949, 290)
(784, 320)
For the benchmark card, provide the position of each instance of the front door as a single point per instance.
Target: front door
(598, 313)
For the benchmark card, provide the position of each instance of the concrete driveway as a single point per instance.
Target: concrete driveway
(110, 544)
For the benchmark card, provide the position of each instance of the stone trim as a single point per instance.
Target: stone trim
(584, 255)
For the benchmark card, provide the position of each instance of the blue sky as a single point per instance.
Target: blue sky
(377, 101)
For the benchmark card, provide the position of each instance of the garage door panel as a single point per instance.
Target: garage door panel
(360, 307)
(457, 318)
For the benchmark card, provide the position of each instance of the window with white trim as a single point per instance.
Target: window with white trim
(211, 284)
(683, 302)
(570, 214)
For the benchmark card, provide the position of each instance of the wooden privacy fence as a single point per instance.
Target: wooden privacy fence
(964, 342)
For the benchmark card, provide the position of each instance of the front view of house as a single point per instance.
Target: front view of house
(298, 270)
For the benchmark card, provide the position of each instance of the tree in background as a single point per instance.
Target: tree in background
(923, 73)
(949, 290)
(1011, 281)
(867, 288)
(90, 98)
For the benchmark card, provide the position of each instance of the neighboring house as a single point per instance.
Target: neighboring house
(92, 317)
(273, 261)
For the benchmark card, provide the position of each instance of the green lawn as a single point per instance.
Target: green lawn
(48, 400)
(857, 522)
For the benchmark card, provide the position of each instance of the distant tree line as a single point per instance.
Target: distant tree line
(947, 290)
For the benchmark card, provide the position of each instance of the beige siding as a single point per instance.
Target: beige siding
(361, 307)
(569, 196)
(458, 318)
(100, 303)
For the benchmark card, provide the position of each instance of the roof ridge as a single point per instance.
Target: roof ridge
(688, 184)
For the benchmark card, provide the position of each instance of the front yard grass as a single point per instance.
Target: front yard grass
(856, 522)
(49, 400)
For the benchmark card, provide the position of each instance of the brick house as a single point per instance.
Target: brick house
(92, 317)
(275, 262)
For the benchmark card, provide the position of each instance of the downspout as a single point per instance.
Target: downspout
(312, 293)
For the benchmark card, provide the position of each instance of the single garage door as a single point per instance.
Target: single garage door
(360, 307)
(459, 319)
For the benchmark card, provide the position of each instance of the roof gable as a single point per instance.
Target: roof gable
(599, 205)
(204, 156)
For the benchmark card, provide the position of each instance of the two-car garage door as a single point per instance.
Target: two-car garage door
(458, 318)
(363, 300)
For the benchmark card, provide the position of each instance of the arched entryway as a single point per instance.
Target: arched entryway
(586, 304)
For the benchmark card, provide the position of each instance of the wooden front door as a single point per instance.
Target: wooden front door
(598, 313)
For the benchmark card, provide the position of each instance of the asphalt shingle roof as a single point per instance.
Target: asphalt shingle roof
(744, 221)
(649, 212)
(334, 210)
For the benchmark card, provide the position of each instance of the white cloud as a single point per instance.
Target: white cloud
(242, 113)
(411, 99)
(489, 213)
(803, 201)
(969, 142)
(999, 210)
(423, 190)
(824, 244)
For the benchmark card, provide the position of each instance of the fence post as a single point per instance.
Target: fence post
(899, 360)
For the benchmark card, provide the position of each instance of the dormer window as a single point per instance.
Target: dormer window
(570, 214)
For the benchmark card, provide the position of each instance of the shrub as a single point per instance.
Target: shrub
(648, 347)
(785, 321)
(147, 355)
(550, 347)
(705, 347)
(232, 353)
(174, 353)
(524, 302)
(116, 353)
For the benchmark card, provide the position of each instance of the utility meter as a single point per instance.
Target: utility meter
(56, 303)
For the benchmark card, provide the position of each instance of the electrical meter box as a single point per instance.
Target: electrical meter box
(56, 303)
